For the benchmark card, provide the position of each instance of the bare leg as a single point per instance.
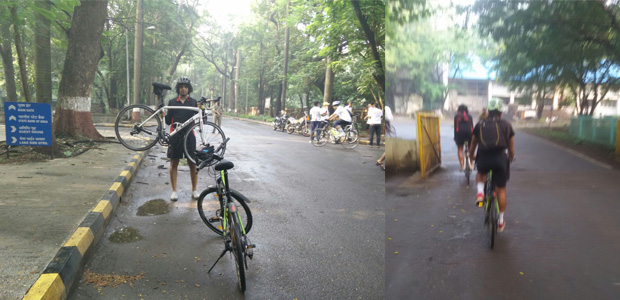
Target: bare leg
(193, 174)
(481, 177)
(501, 197)
(382, 158)
(460, 153)
(174, 165)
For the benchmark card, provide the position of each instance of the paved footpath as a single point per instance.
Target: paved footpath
(52, 212)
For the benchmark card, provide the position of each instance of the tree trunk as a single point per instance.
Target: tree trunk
(329, 82)
(279, 105)
(261, 91)
(372, 44)
(42, 55)
(286, 44)
(137, 57)
(7, 59)
(73, 116)
(236, 82)
(21, 56)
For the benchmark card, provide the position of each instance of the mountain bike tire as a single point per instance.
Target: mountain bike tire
(238, 249)
(493, 220)
(351, 139)
(132, 137)
(209, 207)
(208, 134)
(323, 137)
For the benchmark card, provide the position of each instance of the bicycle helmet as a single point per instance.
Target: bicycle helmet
(463, 107)
(496, 104)
(335, 103)
(185, 81)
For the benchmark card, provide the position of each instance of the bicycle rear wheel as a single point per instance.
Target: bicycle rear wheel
(493, 220)
(467, 168)
(238, 249)
(207, 134)
(211, 214)
(131, 134)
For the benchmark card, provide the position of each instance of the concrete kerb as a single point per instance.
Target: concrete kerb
(60, 276)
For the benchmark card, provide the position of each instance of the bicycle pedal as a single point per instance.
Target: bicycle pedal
(214, 219)
(479, 204)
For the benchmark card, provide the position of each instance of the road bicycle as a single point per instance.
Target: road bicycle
(139, 127)
(225, 211)
(327, 133)
(491, 207)
(467, 161)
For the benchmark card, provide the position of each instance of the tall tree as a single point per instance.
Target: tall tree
(73, 116)
(7, 53)
(42, 53)
(21, 55)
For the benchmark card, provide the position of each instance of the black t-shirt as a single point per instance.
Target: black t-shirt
(504, 127)
(180, 115)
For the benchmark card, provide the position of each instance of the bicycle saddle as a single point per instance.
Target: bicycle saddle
(158, 88)
(224, 165)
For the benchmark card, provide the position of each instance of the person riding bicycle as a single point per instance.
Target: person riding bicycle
(493, 136)
(175, 152)
(463, 127)
(343, 116)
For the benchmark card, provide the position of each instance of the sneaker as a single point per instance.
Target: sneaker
(195, 195)
(501, 226)
(174, 196)
(377, 146)
(479, 198)
(369, 146)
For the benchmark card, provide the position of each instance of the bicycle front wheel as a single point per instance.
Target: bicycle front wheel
(201, 136)
(238, 249)
(351, 139)
(493, 220)
(321, 140)
(209, 209)
(137, 127)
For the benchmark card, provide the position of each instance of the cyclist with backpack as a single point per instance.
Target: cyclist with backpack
(493, 136)
(463, 127)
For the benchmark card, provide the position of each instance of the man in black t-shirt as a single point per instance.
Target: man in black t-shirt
(493, 136)
(176, 117)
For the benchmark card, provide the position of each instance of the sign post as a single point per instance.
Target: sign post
(28, 124)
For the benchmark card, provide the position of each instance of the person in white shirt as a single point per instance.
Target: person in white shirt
(343, 116)
(349, 107)
(374, 123)
(388, 120)
(315, 120)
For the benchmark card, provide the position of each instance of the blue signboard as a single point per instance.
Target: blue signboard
(28, 124)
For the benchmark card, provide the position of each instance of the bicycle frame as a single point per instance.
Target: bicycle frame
(226, 203)
(197, 117)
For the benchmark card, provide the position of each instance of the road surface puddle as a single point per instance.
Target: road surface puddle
(153, 207)
(125, 235)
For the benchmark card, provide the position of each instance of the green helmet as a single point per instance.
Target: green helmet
(496, 104)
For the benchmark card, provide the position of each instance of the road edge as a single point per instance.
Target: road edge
(61, 274)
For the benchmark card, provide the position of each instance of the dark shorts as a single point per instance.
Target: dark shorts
(498, 163)
(342, 123)
(461, 137)
(175, 148)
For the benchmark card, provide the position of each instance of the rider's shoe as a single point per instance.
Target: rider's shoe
(195, 195)
(174, 196)
(479, 198)
(501, 226)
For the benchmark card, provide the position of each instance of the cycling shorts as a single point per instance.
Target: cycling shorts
(461, 137)
(498, 163)
(175, 147)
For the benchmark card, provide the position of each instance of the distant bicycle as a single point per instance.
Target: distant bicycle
(139, 127)
(467, 161)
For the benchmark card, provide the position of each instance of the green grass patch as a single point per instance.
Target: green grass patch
(258, 118)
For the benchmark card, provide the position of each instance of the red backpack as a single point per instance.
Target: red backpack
(462, 122)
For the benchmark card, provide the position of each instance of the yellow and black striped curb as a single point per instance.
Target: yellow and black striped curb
(61, 274)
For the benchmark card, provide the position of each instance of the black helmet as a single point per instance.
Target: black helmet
(185, 81)
(463, 108)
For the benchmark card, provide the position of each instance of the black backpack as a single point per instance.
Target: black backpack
(492, 135)
(463, 122)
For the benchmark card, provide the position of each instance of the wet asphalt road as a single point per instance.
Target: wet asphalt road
(561, 239)
(318, 225)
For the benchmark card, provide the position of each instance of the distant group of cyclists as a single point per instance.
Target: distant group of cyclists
(491, 146)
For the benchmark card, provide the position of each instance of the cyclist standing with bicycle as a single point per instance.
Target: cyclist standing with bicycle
(493, 136)
(463, 127)
(175, 148)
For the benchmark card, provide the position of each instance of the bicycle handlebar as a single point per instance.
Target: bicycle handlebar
(213, 156)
